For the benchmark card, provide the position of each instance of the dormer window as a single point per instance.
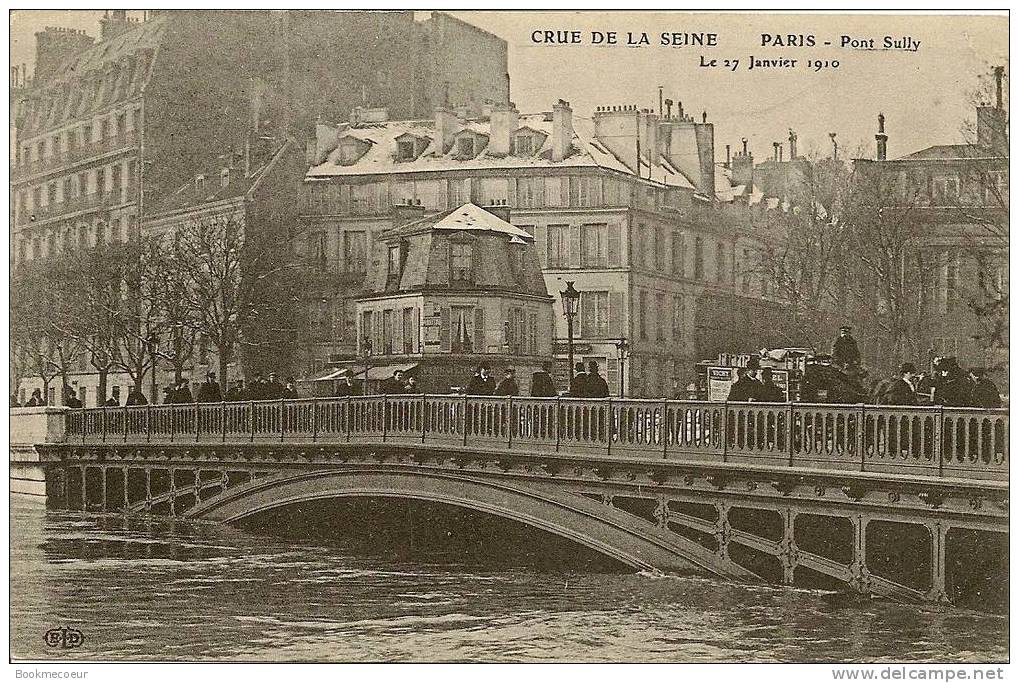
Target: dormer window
(461, 262)
(524, 145)
(405, 150)
(465, 147)
(348, 152)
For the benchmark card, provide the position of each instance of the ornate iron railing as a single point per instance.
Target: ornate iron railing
(921, 441)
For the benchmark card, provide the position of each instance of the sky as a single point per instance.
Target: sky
(926, 95)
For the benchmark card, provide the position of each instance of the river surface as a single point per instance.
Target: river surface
(144, 589)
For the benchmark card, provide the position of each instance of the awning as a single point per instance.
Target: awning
(385, 371)
(333, 374)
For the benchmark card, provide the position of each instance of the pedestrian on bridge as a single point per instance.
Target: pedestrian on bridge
(984, 392)
(72, 400)
(236, 392)
(900, 392)
(35, 399)
(595, 384)
(541, 381)
(209, 391)
(481, 383)
(136, 398)
(578, 385)
(290, 389)
(345, 385)
(769, 391)
(745, 388)
(394, 384)
(508, 386)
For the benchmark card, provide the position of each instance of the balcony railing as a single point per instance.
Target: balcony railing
(76, 204)
(926, 442)
(74, 155)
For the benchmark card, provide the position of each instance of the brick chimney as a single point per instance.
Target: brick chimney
(992, 124)
(562, 130)
(407, 212)
(504, 121)
(446, 125)
(653, 150)
(500, 209)
(114, 23)
(882, 139)
(616, 129)
(743, 168)
(792, 145)
(54, 46)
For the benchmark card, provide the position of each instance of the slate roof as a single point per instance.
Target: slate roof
(380, 159)
(189, 196)
(943, 152)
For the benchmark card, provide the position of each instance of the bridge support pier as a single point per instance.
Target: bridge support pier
(723, 532)
(859, 575)
(788, 552)
(939, 537)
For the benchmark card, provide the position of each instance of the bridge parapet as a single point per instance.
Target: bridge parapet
(918, 441)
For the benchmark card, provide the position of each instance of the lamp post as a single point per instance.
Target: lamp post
(366, 350)
(571, 297)
(623, 349)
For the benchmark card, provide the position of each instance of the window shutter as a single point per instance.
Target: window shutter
(541, 244)
(574, 246)
(479, 330)
(616, 315)
(613, 245)
(511, 191)
(397, 330)
(415, 333)
(586, 315)
(444, 329)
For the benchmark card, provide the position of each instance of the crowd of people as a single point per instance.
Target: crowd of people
(946, 384)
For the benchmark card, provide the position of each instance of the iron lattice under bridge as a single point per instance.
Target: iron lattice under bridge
(889, 500)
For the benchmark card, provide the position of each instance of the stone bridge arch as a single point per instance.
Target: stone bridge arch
(603, 528)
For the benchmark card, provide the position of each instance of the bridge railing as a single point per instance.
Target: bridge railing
(931, 441)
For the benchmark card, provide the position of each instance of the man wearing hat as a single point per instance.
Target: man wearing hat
(345, 384)
(209, 391)
(844, 352)
(900, 392)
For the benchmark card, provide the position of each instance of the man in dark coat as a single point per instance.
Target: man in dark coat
(745, 388)
(595, 385)
(899, 392)
(237, 392)
(182, 394)
(209, 391)
(952, 388)
(984, 392)
(136, 398)
(481, 384)
(578, 385)
(273, 388)
(345, 385)
(111, 402)
(541, 381)
(72, 400)
(258, 390)
(15, 403)
(394, 384)
(769, 391)
(290, 389)
(508, 385)
(35, 399)
(844, 352)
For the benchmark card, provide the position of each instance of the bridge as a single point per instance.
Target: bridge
(909, 503)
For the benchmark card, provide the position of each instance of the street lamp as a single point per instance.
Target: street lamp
(366, 349)
(571, 297)
(623, 349)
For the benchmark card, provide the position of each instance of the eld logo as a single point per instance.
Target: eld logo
(66, 638)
